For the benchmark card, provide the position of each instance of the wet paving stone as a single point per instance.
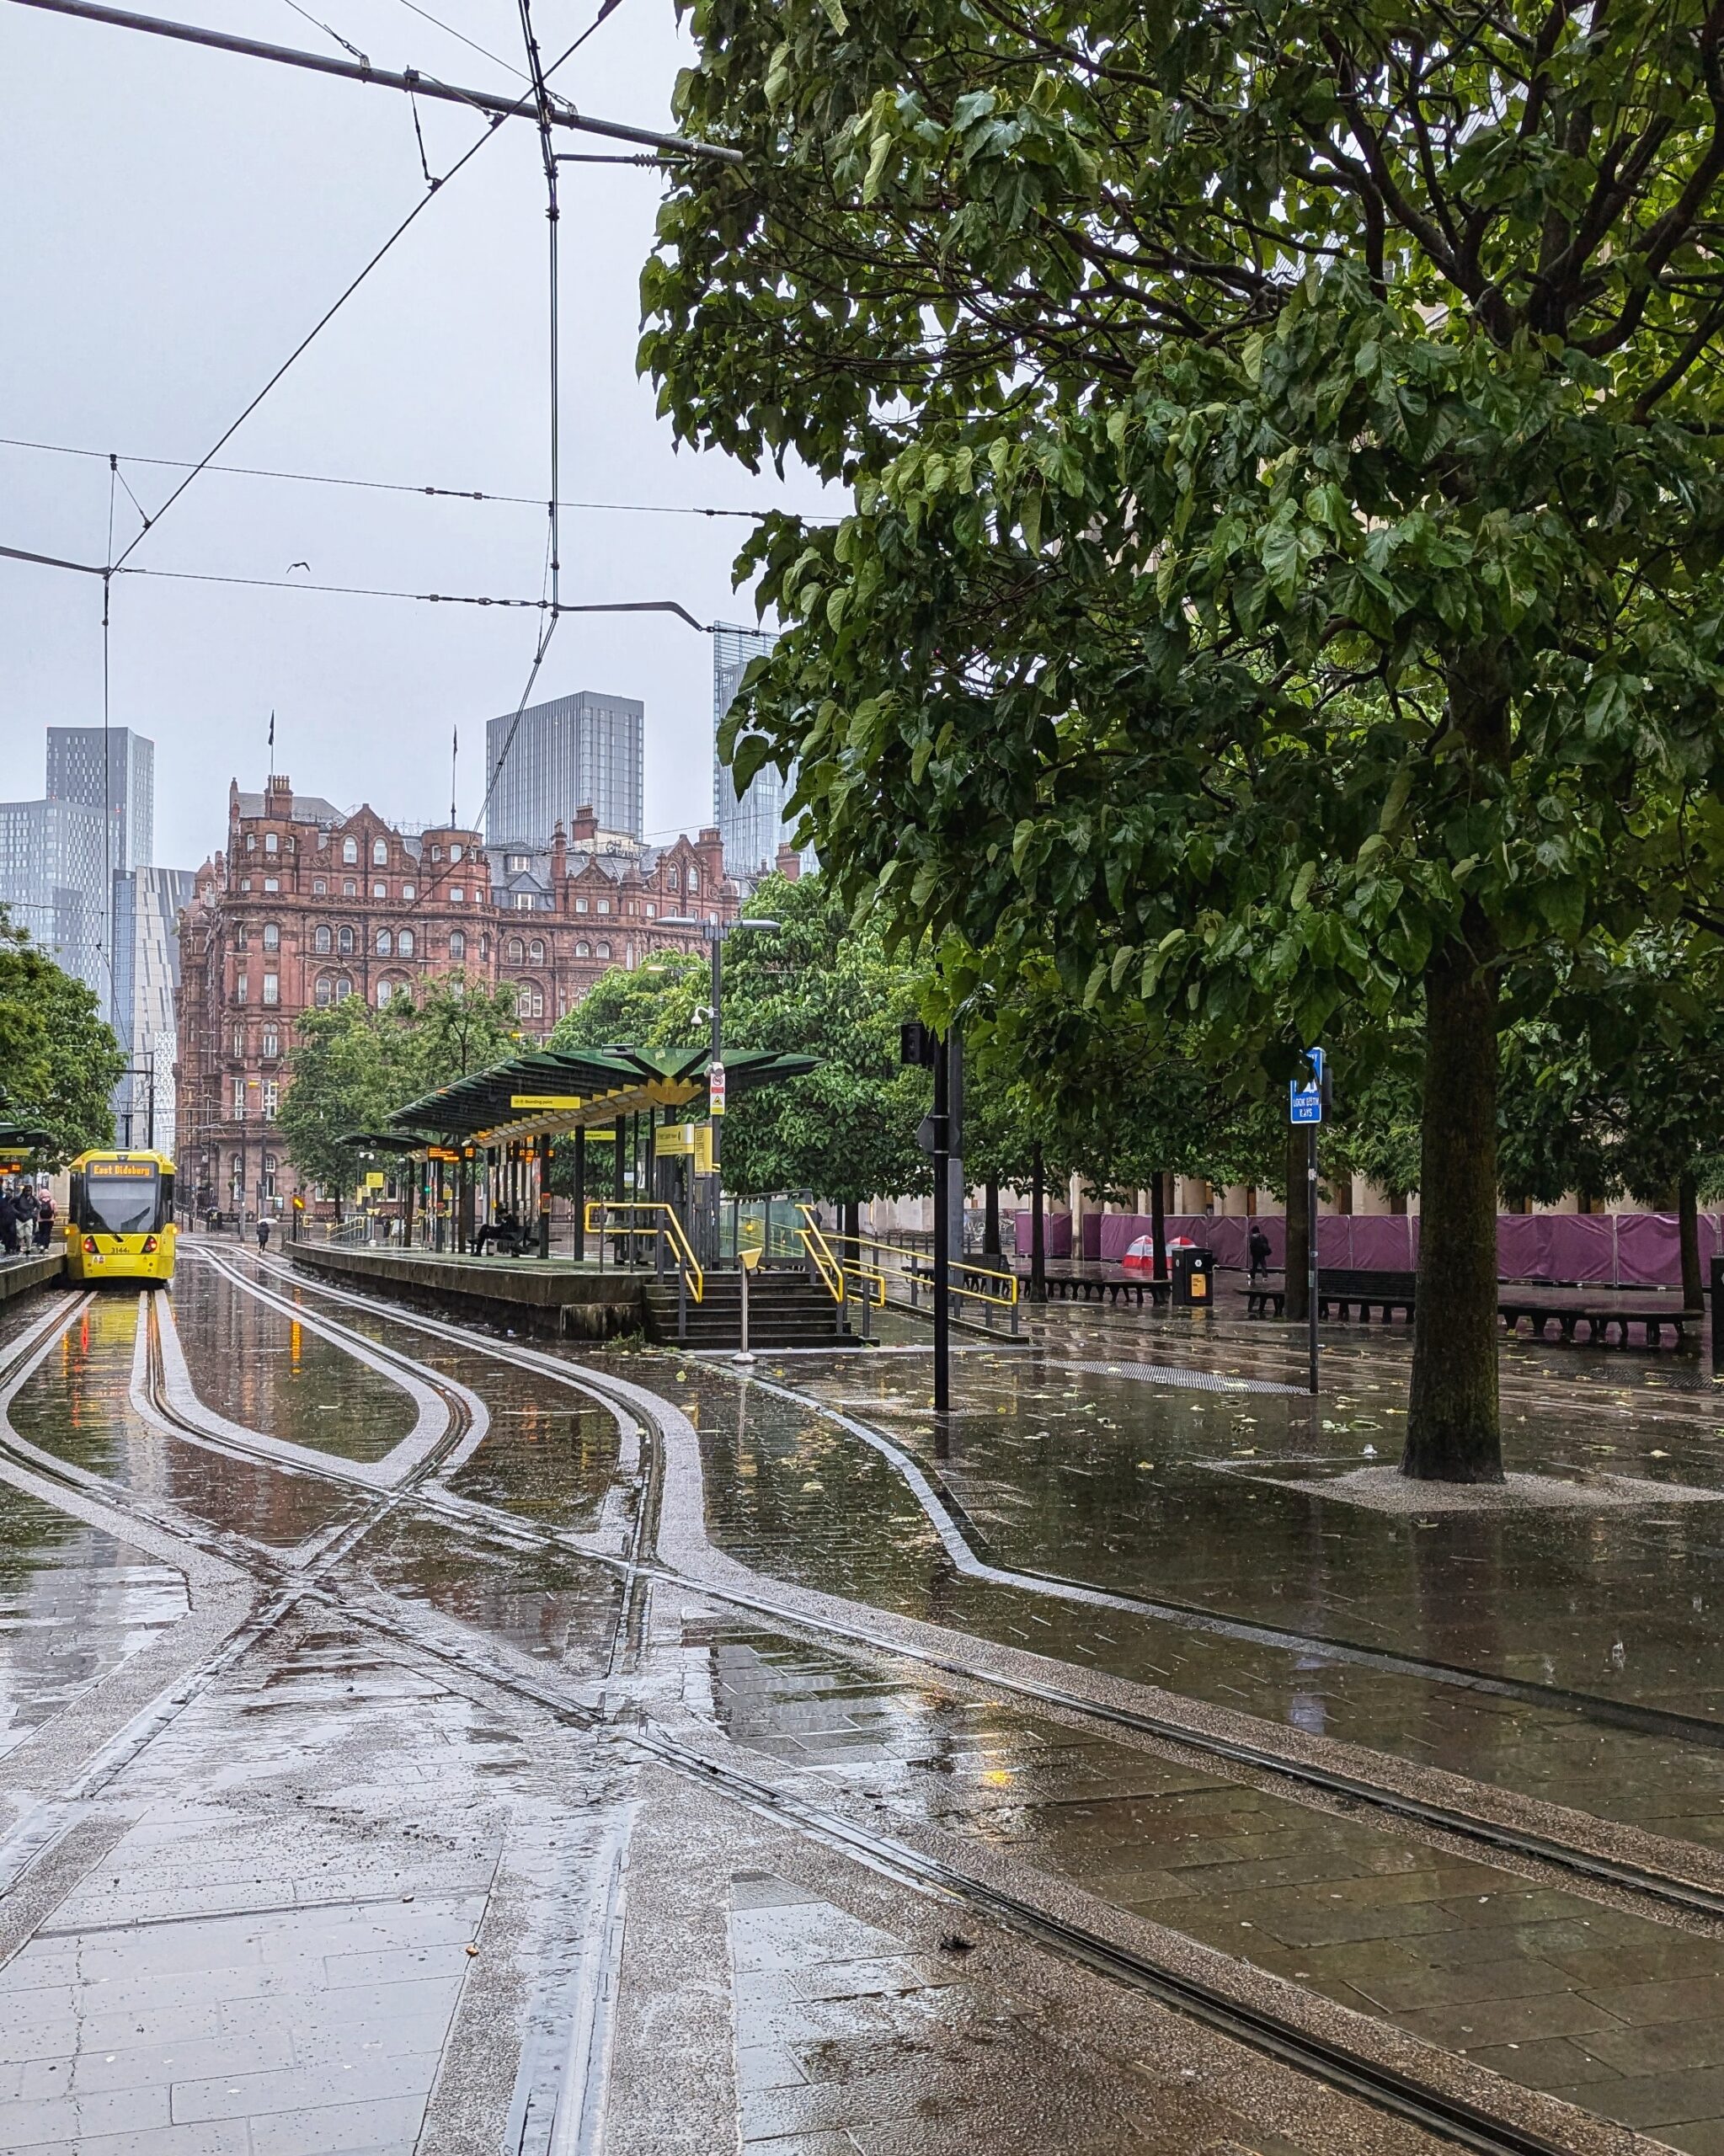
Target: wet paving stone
(1459, 1952)
(75, 1605)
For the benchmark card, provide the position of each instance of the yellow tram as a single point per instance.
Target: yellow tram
(119, 1219)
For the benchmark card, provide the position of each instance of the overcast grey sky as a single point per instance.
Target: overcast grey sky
(177, 220)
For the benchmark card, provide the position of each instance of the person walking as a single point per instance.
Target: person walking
(45, 1219)
(8, 1221)
(25, 1206)
(263, 1235)
(1258, 1247)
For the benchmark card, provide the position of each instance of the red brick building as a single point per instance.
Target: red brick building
(307, 906)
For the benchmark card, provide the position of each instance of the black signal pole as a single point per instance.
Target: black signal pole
(942, 1223)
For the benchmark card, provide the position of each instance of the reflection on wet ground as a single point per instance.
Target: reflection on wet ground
(259, 1369)
(74, 1604)
(76, 1406)
(1614, 2011)
(1105, 1481)
(562, 1610)
(549, 1456)
(343, 1889)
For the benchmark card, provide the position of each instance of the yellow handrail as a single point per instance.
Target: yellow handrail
(1010, 1283)
(836, 1274)
(663, 1222)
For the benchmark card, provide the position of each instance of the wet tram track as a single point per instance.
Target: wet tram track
(1460, 2115)
(1673, 1885)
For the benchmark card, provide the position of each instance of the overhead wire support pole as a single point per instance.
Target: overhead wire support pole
(410, 81)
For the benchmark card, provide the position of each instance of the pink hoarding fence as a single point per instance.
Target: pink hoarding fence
(1632, 1249)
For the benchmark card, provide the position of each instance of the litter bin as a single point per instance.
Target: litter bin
(1193, 1277)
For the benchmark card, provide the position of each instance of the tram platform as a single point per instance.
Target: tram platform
(19, 1275)
(535, 1295)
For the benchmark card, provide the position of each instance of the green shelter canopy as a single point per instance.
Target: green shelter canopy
(558, 1091)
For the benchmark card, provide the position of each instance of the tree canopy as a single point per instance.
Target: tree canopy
(1284, 570)
(59, 1059)
(351, 1066)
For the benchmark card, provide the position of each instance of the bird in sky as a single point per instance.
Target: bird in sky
(292, 566)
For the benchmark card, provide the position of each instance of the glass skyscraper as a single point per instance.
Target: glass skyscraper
(754, 828)
(580, 752)
(126, 791)
(51, 885)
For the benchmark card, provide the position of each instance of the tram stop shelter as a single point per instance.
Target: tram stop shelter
(633, 1124)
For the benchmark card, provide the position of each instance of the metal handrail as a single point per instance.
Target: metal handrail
(834, 1271)
(1010, 1282)
(664, 1222)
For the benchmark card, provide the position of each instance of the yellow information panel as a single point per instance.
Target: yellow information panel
(694, 1140)
(544, 1100)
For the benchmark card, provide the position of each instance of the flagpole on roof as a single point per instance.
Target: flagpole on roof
(454, 754)
(272, 744)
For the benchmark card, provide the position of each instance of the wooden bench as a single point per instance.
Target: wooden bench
(1597, 1312)
(1096, 1284)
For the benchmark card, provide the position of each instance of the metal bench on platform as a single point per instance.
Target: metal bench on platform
(1598, 1310)
(1097, 1283)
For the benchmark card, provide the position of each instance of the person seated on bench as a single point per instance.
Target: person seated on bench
(503, 1231)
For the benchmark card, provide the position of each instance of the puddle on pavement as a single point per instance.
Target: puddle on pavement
(544, 1604)
(262, 1370)
(1546, 1987)
(74, 1604)
(76, 1406)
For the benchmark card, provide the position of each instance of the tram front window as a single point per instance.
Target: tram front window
(120, 1199)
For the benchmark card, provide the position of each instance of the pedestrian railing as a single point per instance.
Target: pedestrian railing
(844, 1279)
(989, 1287)
(631, 1217)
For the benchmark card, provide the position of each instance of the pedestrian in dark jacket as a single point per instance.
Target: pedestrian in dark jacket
(263, 1235)
(8, 1224)
(45, 1219)
(1257, 1244)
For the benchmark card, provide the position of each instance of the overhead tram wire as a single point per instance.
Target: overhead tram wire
(425, 86)
(406, 487)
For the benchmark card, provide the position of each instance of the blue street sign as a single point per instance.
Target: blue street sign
(1305, 1103)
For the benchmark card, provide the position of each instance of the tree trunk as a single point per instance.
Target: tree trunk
(991, 1217)
(1158, 1225)
(1687, 1229)
(1296, 1265)
(1038, 1229)
(1453, 1433)
(852, 1230)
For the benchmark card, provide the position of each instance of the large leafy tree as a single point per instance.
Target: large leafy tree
(59, 1059)
(352, 1066)
(1283, 569)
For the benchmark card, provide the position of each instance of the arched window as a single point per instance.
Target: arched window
(516, 955)
(529, 1001)
(272, 935)
(343, 942)
(386, 989)
(322, 940)
(582, 950)
(326, 989)
(343, 988)
(457, 944)
(535, 952)
(271, 843)
(380, 853)
(603, 950)
(673, 879)
(694, 881)
(251, 842)
(349, 851)
(403, 942)
(385, 944)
